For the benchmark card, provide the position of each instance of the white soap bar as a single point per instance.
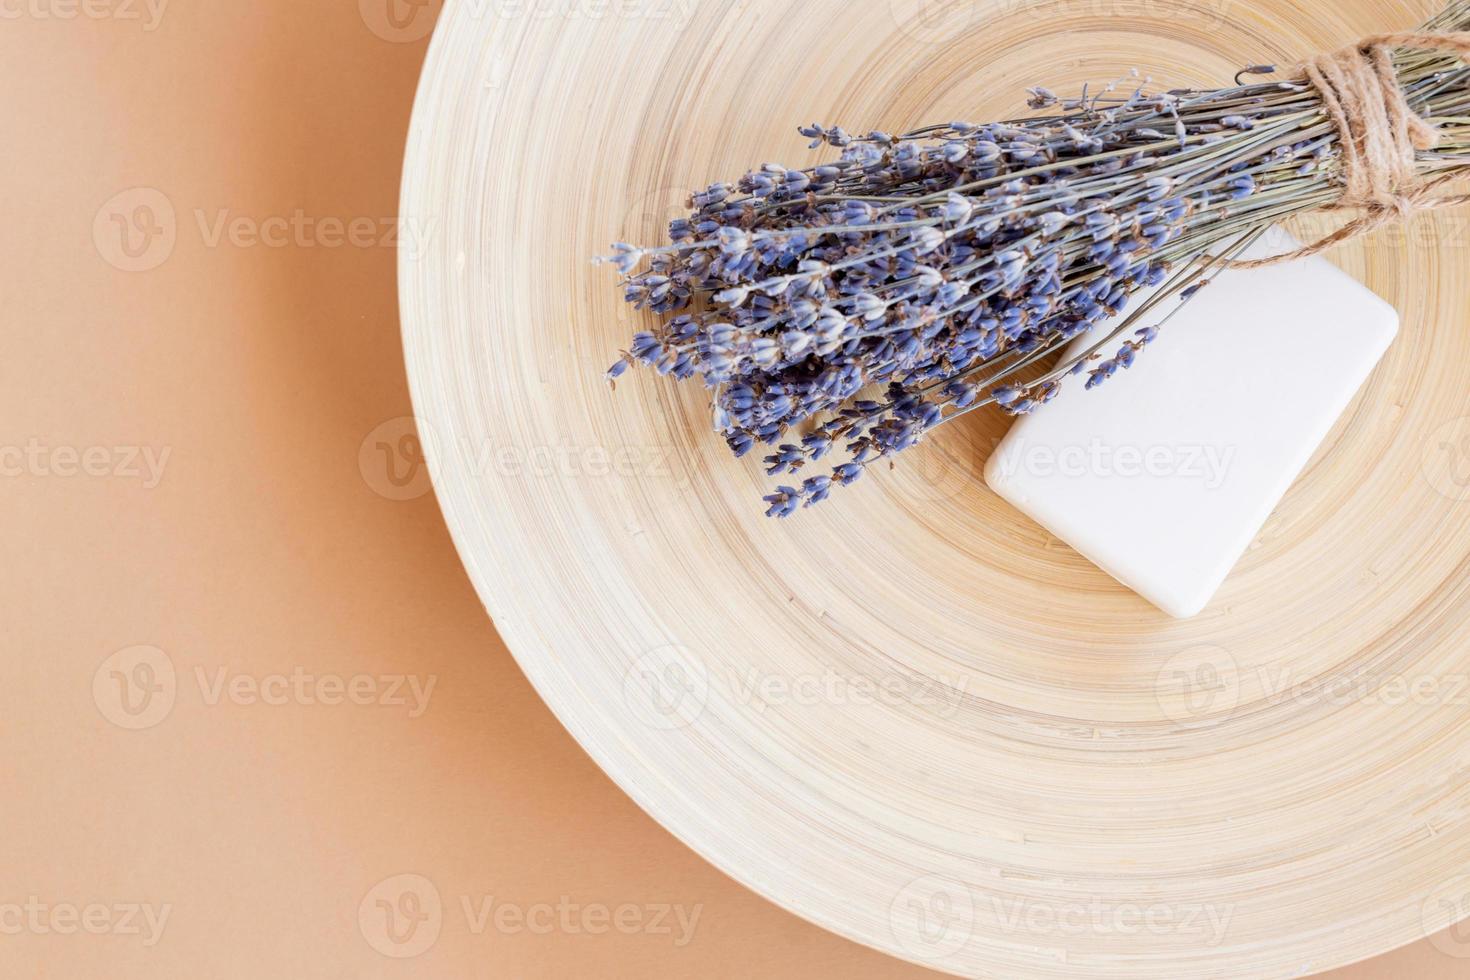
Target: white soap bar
(1164, 474)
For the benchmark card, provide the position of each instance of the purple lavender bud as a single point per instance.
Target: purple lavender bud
(1007, 395)
(1102, 225)
(783, 502)
(869, 307)
(625, 257)
(1023, 407)
(957, 209)
(985, 151)
(864, 155)
(645, 347)
(733, 241)
(951, 293)
(1012, 266)
(1158, 188)
(928, 240)
(795, 343)
(929, 278)
(1101, 373)
(735, 296)
(1052, 222)
(954, 152)
(817, 444)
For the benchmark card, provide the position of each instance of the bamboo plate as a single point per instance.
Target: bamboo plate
(909, 715)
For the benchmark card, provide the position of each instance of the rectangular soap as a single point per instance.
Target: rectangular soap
(1164, 475)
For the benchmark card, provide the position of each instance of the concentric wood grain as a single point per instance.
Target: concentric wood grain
(910, 715)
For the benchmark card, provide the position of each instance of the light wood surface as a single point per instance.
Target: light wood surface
(909, 715)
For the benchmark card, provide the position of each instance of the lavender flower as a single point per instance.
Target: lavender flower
(849, 309)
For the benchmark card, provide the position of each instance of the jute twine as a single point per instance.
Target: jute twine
(1380, 135)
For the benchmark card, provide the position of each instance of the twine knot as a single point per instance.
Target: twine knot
(1380, 135)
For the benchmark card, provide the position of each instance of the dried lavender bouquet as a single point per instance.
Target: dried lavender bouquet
(848, 309)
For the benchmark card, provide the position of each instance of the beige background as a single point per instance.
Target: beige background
(219, 542)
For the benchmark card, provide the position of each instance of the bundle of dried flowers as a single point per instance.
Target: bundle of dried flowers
(848, 309)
